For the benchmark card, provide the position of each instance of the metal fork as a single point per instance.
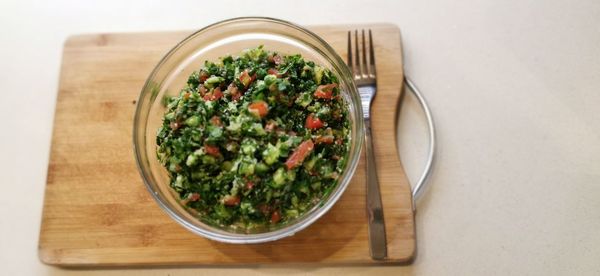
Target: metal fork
(365, 77)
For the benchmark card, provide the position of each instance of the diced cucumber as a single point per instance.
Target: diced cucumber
(323, 111)
(247, 166)
(270, 79)
(170, 116)
(279, 178)
(316, 186)
(207, 159)
(249, 146)
(226, 166)
(310, 164)
(191, 160)
(222, 212)
(193, 121)
(293, 213)
(256, 129)
(247, 208)
(271, 154)
(304, 99)
(261, 168)
(213, 81)
(318, 74)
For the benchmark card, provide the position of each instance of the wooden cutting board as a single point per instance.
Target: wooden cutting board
(97, 211)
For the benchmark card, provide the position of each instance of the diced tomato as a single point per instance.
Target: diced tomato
(235, 93)
(249, 185)
(313, 122)
(245, 78)
(212, 150)
(203, 76)
(274, 59)
(325, 91)
(194, 197)
(325, 139)
(230, 200)
(298, 156)
(216, 121)
(275, 217)
(259, 108)
(217, 94)
(202, 90)
(273, 71)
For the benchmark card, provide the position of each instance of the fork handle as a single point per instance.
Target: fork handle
(377, 237)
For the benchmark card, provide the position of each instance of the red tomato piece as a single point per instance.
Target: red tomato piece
(230, 200)
(217, 94)
(275, 217)
(299, 154)
(194, 197)
(325, 91)
(259, 108)
(202, 90)
(203, 76)
(245, 78)
(212, 150)
(233, 90)
(313, 122)
(273, 71)
(215, 120)
(325, 139)
(274, 59)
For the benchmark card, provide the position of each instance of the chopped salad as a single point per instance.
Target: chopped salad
(255, 140)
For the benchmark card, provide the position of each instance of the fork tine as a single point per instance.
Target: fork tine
(372, 71)
(365, 72)
(350, 52)
(358, 71)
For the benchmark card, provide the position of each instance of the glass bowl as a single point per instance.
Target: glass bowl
(170, 76)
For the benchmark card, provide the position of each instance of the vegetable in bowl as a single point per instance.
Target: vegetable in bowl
(255, 140)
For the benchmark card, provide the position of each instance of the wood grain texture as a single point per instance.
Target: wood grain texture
(97, 211)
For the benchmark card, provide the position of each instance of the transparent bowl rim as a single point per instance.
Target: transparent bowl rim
(289, 230)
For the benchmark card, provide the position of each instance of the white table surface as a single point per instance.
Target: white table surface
(514, 85)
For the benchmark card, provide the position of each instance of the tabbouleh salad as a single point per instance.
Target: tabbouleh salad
(256, 140)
